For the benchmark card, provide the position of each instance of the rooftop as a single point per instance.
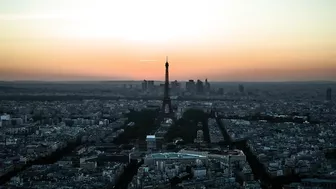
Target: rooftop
(150, 137)
(173, 155)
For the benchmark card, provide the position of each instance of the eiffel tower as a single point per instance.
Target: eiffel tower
(167, 110)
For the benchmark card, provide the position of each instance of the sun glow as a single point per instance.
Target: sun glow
(218, 39)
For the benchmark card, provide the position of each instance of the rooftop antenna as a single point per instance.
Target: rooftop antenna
(166, 58)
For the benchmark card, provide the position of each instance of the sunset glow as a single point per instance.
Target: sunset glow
(223, 40)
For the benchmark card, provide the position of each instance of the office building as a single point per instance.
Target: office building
(147, 85)
(175, 86)
(144, 85)
(150, 85)
(199, 87)
(191, 86)
(207, 86)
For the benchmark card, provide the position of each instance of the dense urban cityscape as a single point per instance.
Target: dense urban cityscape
(153, 134)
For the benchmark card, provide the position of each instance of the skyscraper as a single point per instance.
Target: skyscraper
(144, 85)
(199, 87)
(150, 85)
(207, 86)
(191, 86)
(328, 94)
(175, 86)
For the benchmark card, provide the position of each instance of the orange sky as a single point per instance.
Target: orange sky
(219, 40)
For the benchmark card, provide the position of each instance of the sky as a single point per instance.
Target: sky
(222, 40)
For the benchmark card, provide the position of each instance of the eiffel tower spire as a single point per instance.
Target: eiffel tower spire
(167, 110)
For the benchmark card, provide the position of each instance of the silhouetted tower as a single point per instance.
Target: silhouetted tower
(167, 110)
(328, 94)
(144, 85)
(207, 86)
(199, 87)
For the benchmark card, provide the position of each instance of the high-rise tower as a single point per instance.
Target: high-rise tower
(167, 110)
(207, 86)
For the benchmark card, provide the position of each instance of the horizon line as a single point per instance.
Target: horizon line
(210, 81)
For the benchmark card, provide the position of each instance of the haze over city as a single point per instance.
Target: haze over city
(128, 40)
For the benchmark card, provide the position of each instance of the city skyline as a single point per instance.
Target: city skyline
(218, 40)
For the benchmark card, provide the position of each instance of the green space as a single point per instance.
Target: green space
(330, 154)
(186, 127)
(144, 123)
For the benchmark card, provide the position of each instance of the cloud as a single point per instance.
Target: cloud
(148, 60)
